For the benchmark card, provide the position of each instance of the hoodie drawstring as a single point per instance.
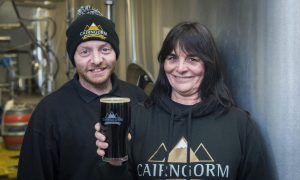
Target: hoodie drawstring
(170, 134)
(188, 133)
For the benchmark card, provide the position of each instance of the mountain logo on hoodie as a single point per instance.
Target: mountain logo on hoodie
(175, 165)
(179, 153)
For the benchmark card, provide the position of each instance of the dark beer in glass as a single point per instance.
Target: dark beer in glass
(115, 121)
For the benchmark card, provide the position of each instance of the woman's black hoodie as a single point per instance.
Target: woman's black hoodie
(175, 141)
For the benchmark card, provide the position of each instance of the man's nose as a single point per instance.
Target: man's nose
(97, 57)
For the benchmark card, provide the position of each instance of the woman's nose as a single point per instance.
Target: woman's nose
(181, 66)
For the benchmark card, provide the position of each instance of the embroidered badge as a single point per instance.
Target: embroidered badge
(93, 31)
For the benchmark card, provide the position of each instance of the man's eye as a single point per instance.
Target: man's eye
(106, 50)
(84, 52)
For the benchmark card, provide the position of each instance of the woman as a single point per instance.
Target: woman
(189, 128)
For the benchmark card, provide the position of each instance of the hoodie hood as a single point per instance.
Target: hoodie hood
(186, 113)
(197, 110)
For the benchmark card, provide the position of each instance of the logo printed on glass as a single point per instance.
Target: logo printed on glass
(112, 118)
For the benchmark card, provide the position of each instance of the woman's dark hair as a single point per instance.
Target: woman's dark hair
(193, 38)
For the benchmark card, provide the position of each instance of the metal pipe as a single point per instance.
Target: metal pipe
(130, 31)
(70, 16)
(109, 4)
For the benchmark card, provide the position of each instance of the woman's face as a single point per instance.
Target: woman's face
(185, 73)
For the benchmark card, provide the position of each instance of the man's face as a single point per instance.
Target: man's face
(95, 62)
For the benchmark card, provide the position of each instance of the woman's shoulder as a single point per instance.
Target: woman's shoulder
(235, 116)
(237, 112)
(241, 117)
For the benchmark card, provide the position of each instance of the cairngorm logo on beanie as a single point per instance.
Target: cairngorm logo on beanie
(93, 31)
(89, 25)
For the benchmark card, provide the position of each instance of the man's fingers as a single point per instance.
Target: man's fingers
(99, 136)
(97, 126)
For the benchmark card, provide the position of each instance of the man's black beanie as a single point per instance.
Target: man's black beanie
(90, 24)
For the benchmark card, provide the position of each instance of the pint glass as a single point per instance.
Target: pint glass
(115, 121)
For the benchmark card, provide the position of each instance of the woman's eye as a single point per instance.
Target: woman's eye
(193, 59)
(171, 58)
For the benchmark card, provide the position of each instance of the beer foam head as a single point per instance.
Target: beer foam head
(115, 100)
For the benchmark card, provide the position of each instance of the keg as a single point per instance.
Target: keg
(15, 121)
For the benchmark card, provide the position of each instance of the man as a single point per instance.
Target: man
(59, 142)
